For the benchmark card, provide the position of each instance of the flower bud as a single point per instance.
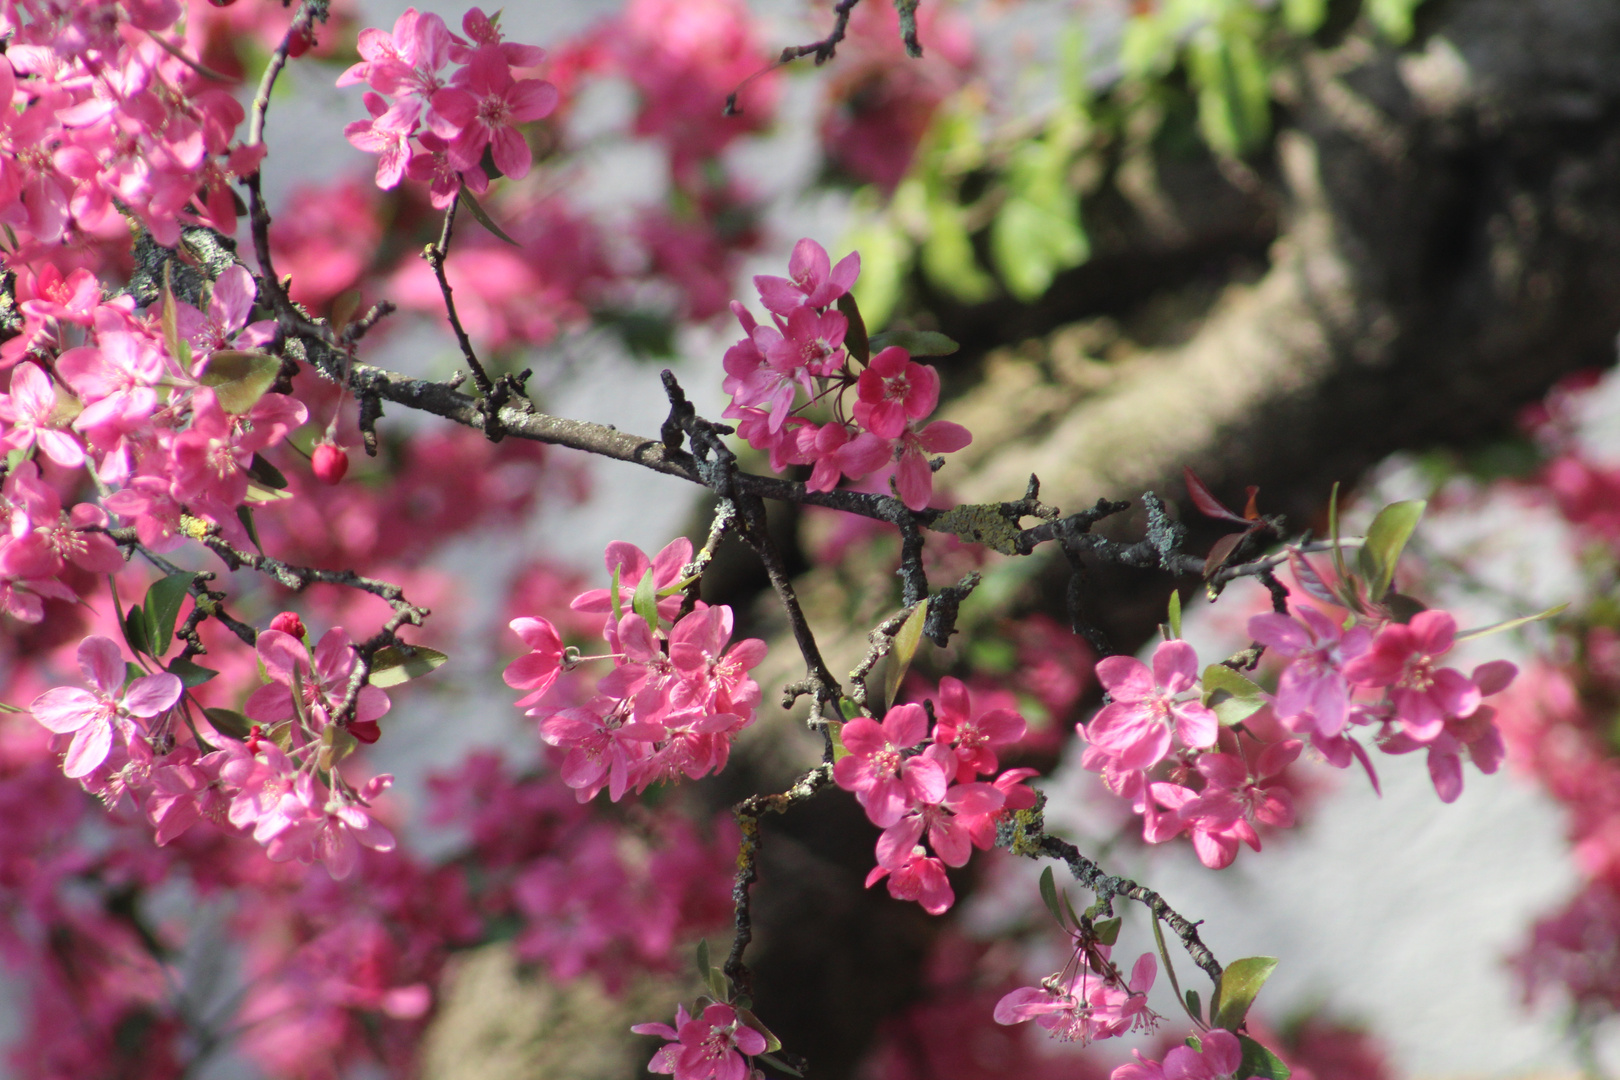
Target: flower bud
(301, 42)
(329, 462)
(288, 622)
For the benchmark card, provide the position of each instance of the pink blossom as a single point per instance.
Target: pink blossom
(1219, 1058)
(632, 565)
(1403, 657)
(605, 746)
(709, 1047)
(1134, 729)
(92, 715)
(484, 111)
(973, 739)
(282, 654)
(918, 877)
(1312, 694)
(946, 822)
(31, 408)
(884, 781)
(537, 669)
(812, 279)
(915, 477)
(387, 134)
(895, 390)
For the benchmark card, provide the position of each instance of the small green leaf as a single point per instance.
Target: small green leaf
(244, 514)
(1392, 17)
(1304, 17)
(1049, 896)
(1220, 677)
(169, 319)
(904, 648)
(4, 708)
(644, 601)
(229, 722)
(138, 631)
(1231, 711)
(718, 989)
(772, 1043)
(1175, 613)
(402, 663)
(1107, 930)
(478, 212)
(1386, 537)
(1239, 984)
(678, 586)
(1511, 624)
(1194, 1006)
(1260, 1063)
(835, 732)
(239, 379)
(266, 474)
(703, 963)
(848, 707)
(777, 1063)
(915, 342)
(190, 674)
(613, 595)
(855, 340)
(1164, 957)
(163, 602)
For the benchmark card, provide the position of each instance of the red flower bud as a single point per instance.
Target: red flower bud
(366, 731)
(329, 462)
(288, 622)
(301, 42)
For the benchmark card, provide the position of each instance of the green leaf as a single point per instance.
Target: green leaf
(1231, 711)
(703, 963)
(1037, 233)
(478, 212)
(644, 601)
(1164, 957)
(4, 708)
(904, 648)
(777, 1063)
(169, 319)
(1220, 677)
(402, 663)
(835, 732)
(1260, 1062)
(244, 514)
(229, 722)
(1049, 896)
(855, 340)
(886, 255)
(1304, 17)
(1393, 18)
(1107, 930)
(190, 674)
(848, 708)
(613, 595)
(1239, 984)
(1175, 613)
(239, 379)
(138, 630)
(1386, 538)
(1511, 624)
(947, 254)
(772, 1043)
(915, 342)
(163, 602)
(266, 474)
(718, 989)
(1194, 1006)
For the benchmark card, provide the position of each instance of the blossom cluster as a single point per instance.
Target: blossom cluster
(802, 349)
(434, 125)
(676, 697)
(1089, 1000)
(169, 413)
(913, 782)
(714, 1045)
(1159, 744)
(126, 737)
(99, 119)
